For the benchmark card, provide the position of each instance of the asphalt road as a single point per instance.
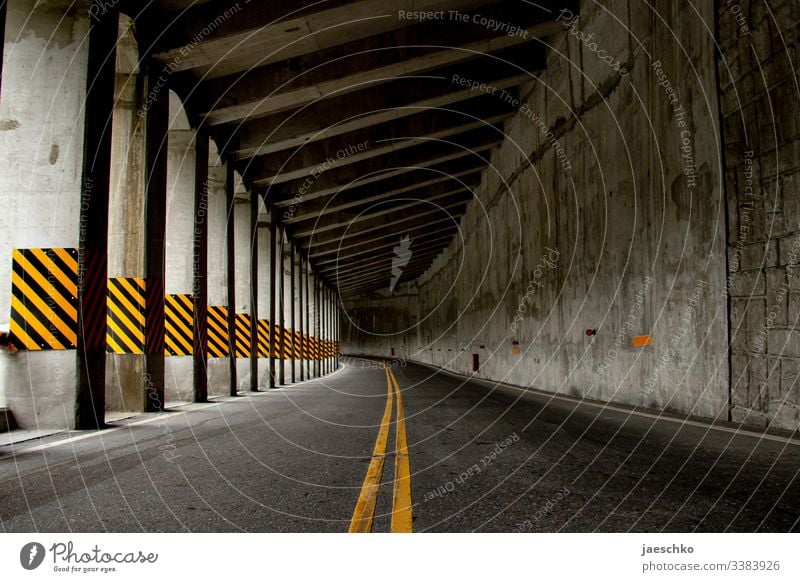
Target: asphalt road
(294, 460)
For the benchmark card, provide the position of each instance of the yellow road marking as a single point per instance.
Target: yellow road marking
(365, 506)
(401, 501)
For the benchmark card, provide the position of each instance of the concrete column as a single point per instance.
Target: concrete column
(93, 238)
(273, 232)
(254, 291)
(242, 271)
(282, 306)
(301, 308)
(230, 270)
(318, 320)
(179, 275)
(126, 236)
(219, 371)
(41, 143)
(200, 268)
(322, 327)
(292, 304)
(157, 120)
(307, 306)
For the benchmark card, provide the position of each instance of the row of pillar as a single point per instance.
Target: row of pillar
(321, 323)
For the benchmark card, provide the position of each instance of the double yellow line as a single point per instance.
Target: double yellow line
(401, 500)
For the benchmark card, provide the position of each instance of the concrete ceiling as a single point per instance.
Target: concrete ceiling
(352, 110)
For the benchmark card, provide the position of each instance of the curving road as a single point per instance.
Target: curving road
(306, 458)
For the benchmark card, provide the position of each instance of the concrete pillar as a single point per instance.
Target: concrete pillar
(157, 137)
(301, 309)
(282, 304)
(242, 271)
(219, 369)
(273, 346)
(178, 277)
(254, 206)
(126, 233)
(230, 274)
(318, 321)
(307, 307)
(292, 314)
(41, 143)
(93, 237)
(324, 324)
(200, 268)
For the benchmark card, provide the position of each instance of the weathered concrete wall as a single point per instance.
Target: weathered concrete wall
(761, 112)
(602, 210)
(41, 141)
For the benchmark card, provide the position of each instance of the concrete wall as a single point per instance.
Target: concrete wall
(41, 141)
(602, 224)
(761, 112)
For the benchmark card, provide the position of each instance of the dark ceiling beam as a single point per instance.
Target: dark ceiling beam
(370, 142)
(466, 178)
(383, 279)
(340, 271)
(399, 98)
(381, 147)
(378, 182)
(350, 257)
(354, 279)
(222, 37)
(266, 92)
(470, 143)
(441, 223)
(451, 211)
(339, 221)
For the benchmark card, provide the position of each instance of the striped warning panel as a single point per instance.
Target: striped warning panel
(44, 305)
(178, 314)
(263, 338)
(125, 316)
(297, 337)
(278, 341)
(218, 332)
(242, 335)
(286, 344)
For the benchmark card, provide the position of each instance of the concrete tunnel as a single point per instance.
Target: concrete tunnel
(441, 265)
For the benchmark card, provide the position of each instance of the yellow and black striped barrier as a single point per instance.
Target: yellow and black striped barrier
(44, 315)
(263, 338)
(44, 304)
(242, 335)
(125, 331)
(178, 315)
(218, 332)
